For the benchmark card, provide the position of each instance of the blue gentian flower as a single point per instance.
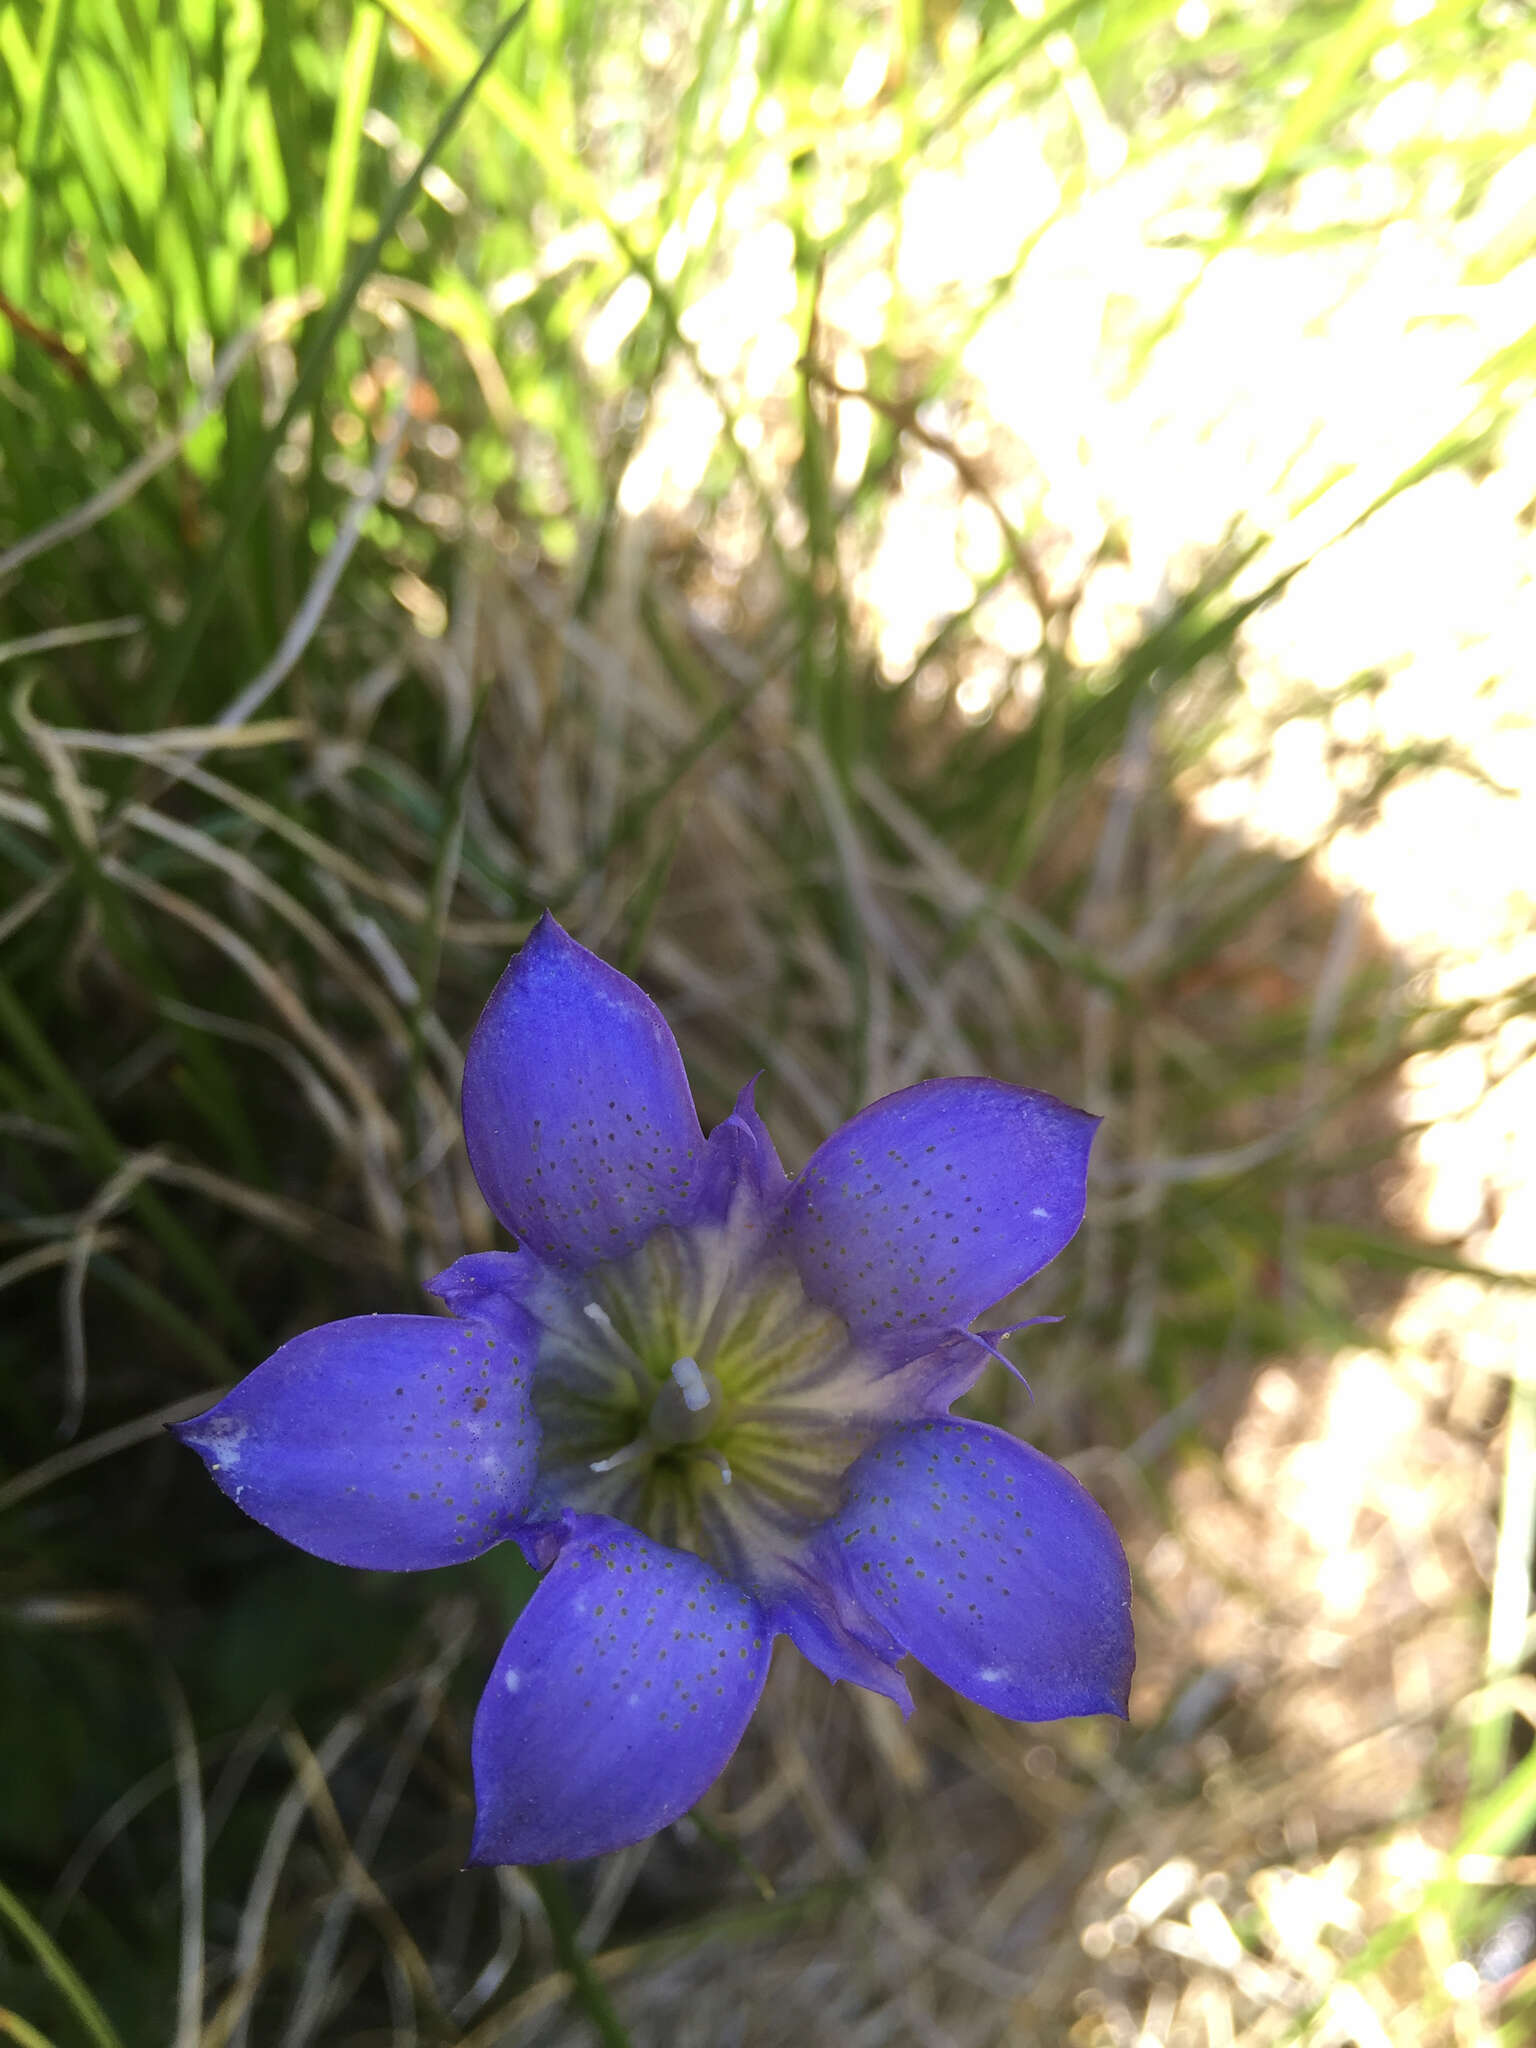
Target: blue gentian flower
(711, 1403)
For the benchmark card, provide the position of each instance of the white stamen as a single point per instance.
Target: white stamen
(620, 1457)
(690, 1384)
(718, 1458)
(600, 1316)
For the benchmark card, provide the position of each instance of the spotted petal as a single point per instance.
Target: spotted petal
(992, 1566)
(935, 1202)
(392, 1442)
(616, 1701)
(577, 1115)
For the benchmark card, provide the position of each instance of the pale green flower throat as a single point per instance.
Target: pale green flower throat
(694, 1391)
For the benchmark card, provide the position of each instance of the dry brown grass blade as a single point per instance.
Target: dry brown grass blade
(375, 1136)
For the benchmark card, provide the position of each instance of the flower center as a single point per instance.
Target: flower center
(688, 1407)
(694, 1391)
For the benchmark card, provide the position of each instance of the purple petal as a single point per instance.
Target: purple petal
(616, 1701)
(760, 1159)
(740, 1157)
(935, 1202)
(390, 1442)
(991, 1564)
(490, 1285)
(831, 1632)
(577, 1116)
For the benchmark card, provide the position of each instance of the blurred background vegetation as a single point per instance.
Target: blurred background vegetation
(942, 537)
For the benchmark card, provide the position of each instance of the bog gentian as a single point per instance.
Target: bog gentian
(710, 1402)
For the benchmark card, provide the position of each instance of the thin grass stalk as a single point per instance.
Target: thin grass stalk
(37, 135)
(58, 1969)
(1510, 1601)
(338, 194)
(587, 1988)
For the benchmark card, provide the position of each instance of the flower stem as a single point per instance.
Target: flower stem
(555, 1897)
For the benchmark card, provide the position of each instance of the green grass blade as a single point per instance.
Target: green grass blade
(107, 1156)
(36, 135)
(590, 1994)
(13, 2026)
(59, 1970)
(311, 376)
(339, 193)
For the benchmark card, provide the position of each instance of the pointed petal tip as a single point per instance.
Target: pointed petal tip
(895, 1689)
(482, 1853)
(876, 1677)
(487, 1852)
(573, 1084)
(739, 1157)
(547, 939)
(492, 1285)
(200, 1433)
(387, 1442)
(900, 1695)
